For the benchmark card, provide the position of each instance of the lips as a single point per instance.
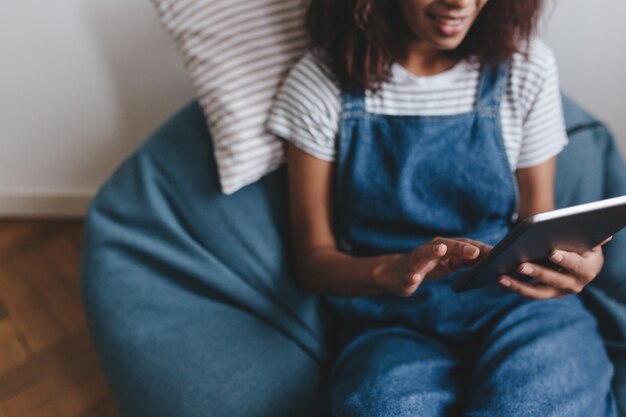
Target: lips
(449, 25)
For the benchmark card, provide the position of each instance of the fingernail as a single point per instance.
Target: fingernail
(505, 282)
(556, 257)
(526, 270)
(469, 250)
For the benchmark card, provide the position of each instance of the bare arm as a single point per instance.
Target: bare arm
(322, 268)
(536, 188)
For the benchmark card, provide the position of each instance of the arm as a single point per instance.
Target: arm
(320, 267)
(544, 134)
(536, 188)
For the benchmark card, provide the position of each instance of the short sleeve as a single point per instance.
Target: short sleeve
(307, 108)
(544, 134)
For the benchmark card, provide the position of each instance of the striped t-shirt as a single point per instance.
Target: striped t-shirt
(307, 108)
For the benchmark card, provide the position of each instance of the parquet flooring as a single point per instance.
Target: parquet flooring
(48, 365)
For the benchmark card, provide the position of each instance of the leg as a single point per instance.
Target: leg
(544, 358)
(395, 372)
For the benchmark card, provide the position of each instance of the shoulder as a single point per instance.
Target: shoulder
(534, 62)
(313, 63)
(310, 89)
(307, 108)
(310, 75)
(533, 74)
(536, 99)
(535, 53)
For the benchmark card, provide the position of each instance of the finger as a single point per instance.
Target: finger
(564, 283)
(443, 253)
(459, 249)
(458, 263)
(529, 290)
(408, 290)
(598, 248)
(484, 251)
(427, 253)
(418, 273)
(484, 248)
(424, 260)
(466, 254)
(577, 265)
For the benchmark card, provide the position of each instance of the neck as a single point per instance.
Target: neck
(422, 59)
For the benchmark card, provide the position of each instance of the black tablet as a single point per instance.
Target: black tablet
(574, 229)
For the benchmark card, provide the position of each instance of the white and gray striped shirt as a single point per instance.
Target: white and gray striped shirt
(307, 108)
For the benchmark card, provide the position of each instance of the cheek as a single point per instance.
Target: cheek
(411, 13)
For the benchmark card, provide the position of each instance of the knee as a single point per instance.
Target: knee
(373, 401)
(390, 394)
(367, 400)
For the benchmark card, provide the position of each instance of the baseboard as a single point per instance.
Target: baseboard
(44, 204)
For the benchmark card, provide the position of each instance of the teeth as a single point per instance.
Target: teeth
(448, 21)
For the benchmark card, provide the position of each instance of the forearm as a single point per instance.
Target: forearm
(536, 187)
(329, 271)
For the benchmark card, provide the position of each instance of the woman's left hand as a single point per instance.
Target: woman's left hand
(576, 271)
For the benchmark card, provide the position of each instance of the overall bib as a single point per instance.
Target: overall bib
(401, 181)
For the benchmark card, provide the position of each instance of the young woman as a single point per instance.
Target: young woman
(418, 131)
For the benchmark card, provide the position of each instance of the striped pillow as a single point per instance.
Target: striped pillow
(237, 52)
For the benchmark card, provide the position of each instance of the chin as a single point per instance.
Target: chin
(447, 45)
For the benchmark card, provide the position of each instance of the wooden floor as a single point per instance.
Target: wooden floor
(48, 366)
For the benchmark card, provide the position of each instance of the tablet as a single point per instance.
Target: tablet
(574, 229)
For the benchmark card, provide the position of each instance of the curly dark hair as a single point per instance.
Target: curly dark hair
(360, 39)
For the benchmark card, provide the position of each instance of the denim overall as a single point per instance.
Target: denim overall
(402, 180)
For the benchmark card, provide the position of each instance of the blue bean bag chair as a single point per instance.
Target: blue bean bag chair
(190, 294)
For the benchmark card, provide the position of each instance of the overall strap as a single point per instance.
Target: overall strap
(353, 103)
(493, 80)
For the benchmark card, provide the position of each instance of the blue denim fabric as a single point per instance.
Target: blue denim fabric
(540, 358)
(405, 179)
(402, 180)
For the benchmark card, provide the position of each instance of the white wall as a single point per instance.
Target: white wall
(589, 41)
(83, 82)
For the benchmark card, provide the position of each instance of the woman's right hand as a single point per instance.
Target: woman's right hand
(403, 274)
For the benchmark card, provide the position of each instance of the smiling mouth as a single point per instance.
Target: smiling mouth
(449, 26)
(448, 20)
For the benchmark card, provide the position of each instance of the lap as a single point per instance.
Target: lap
(538, 358)
(395, 372)
(542, 358)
